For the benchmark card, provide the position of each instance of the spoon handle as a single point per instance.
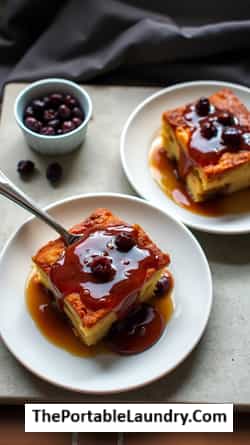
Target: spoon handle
(10, 191)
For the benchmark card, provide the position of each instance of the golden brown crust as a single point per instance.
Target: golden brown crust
(175, 117)
(87, 317)
(225, 99)
(98, 220)
(228, 161)
(51, 252)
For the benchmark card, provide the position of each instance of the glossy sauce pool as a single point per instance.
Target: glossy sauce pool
(56, 328)
(165, 175)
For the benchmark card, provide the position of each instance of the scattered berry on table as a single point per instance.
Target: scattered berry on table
(25, 167)
(54, 172)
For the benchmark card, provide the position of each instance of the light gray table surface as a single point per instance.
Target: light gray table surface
(218, 370)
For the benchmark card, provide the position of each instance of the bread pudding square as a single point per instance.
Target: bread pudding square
(99, 279)
(209, 140)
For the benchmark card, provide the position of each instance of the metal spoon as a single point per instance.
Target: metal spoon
(10, 191)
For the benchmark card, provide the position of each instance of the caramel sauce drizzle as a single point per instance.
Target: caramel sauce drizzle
(72, 273)
(57, 329)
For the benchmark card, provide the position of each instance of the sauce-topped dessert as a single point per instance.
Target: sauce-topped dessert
(208, 146)
(212, 133)
(101, 284)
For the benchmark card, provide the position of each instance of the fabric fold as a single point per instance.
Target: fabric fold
(123, 42)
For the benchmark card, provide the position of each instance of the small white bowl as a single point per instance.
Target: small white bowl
(56, 144)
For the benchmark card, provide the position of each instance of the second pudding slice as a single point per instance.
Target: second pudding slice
(209, 140)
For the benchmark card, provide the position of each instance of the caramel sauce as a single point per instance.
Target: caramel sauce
(56, 327)
(73, 273)
(140, 330)
(143, 326)
(52, 323)
(166, 175)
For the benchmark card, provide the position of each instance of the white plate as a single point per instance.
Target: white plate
(137, 137)
(106, 374)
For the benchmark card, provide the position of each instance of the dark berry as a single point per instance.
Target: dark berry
(49, 115)
(70, 101)
(226, 118)
(77, 121)
(124, 242)
(68, 126)
(46, 100)
(38, 107)
(208, 130)
(25, 168)
(64, 112)
(162, 286)
(55, 123)
(232, 136)
(48, 131)
(202, 106)
(127, 324)
(76, 112)
(29, 112)
(102, 269)
(54, 172)
(55, 99)
(33, 124)
(59, 131)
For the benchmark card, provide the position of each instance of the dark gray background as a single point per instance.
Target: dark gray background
(132, 41)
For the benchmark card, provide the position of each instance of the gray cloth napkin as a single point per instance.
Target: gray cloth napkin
(131, 42)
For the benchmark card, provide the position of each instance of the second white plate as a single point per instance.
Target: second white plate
(137, 137)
